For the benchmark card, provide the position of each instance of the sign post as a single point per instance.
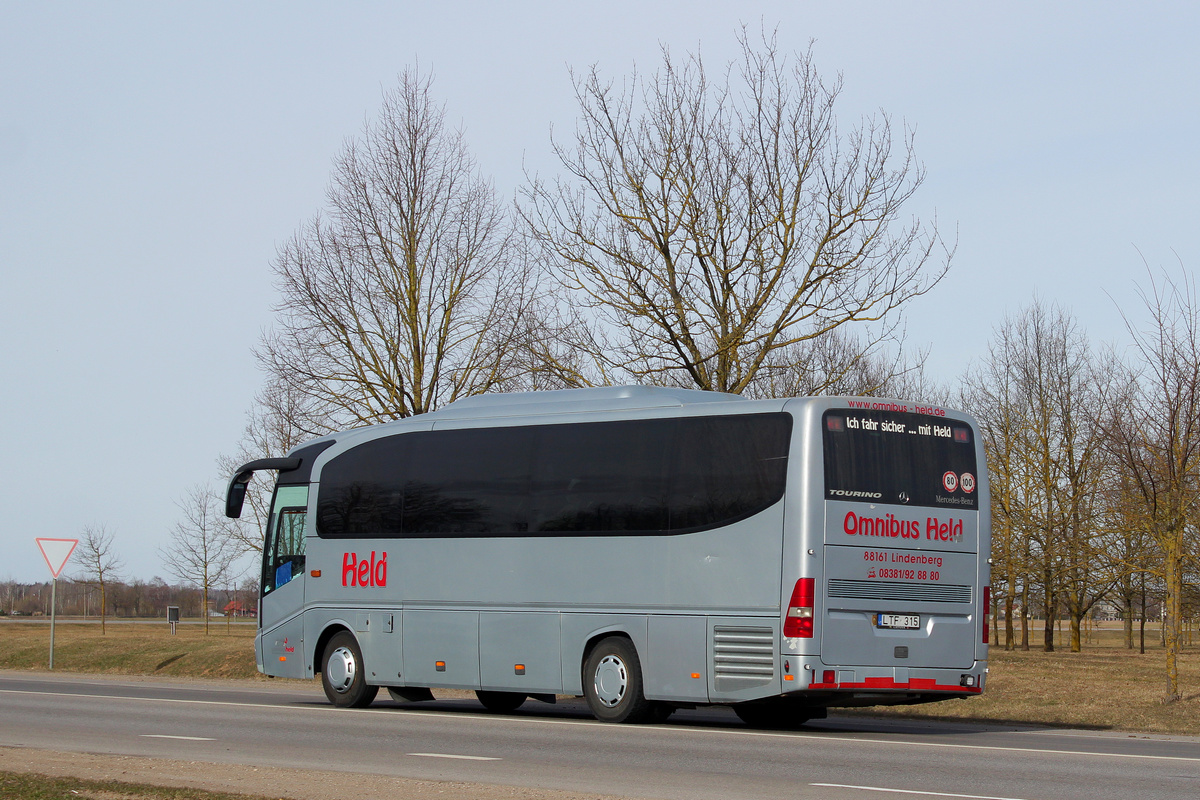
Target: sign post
(56, 552)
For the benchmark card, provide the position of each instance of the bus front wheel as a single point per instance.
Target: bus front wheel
(342, 675)
(612, 682)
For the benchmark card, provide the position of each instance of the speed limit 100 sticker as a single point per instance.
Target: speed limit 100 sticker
(950, 481)
(967, 482)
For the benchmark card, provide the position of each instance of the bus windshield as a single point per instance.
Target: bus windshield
(899, 457)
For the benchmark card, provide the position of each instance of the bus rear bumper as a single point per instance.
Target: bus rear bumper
(833, 685)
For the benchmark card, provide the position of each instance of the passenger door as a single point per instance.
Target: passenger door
(283, 578)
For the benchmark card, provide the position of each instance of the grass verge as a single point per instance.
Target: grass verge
(129, 648)
(25, 786)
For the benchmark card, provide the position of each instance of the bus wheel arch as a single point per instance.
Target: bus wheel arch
(612, 680)
(318, 651)
(343, 674)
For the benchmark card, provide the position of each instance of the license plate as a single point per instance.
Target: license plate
(908, 622)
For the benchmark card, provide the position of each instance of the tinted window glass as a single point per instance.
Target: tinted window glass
(363, 489)
(472, 482)
(602, 476)
(728, 468)
(624, 477)
(896, 457)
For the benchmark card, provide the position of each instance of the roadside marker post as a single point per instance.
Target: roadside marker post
(56, 552)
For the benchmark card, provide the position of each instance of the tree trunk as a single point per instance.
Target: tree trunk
(1173, 575)
(1051, 608)
(995, 622)
(1142, 622)
(1009, 631)
(1025, 618)
(1127, 616)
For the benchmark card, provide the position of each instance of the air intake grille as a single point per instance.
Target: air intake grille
(885, 590)
(742, 656)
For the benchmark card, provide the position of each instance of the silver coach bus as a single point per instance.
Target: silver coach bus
(648, 549)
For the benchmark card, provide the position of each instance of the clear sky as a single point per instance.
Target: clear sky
(152, 155)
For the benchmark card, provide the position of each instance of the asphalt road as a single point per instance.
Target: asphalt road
(697, 754)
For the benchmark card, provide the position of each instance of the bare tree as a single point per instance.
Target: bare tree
(990, 392)
(840, 363)
(280, 419)
(1132, 546)
(1154, 433)
(705, 227)
(198, 551)
(1039, 395)
(410, 291)
(99, 563)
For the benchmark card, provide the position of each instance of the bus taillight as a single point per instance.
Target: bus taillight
(987, 611)
(799, 621)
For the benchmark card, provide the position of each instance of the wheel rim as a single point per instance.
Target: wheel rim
(340, 669)
(612, 679)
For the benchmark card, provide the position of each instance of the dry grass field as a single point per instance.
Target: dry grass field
(132, 648)
(1105, 687)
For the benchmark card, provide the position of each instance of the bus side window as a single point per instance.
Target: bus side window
(287, 554)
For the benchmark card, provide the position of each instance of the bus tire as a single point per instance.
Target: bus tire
(500, 702)
(777, 714)
(612, 682)
(342, 675)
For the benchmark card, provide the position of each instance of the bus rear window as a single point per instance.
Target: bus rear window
(901, 458)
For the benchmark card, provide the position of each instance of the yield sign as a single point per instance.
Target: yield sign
(56, 552)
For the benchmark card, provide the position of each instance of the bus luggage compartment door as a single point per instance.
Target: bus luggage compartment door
(896, 607)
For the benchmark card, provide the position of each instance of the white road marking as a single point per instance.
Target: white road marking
(911, 791)
(843, 740)
(455, 755)
(168, 736)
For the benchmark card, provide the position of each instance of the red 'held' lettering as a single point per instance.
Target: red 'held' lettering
(367, 572)
(951, 531)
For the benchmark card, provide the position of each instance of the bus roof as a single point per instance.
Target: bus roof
(602, 398)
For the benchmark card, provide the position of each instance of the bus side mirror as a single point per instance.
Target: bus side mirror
(236, 496)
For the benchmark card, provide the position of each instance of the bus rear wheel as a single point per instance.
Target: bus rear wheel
(777, 714)
(342, 675)
(500, 702)
(612, 682)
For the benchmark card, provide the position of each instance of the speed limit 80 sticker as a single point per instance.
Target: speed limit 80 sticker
(951, 481)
